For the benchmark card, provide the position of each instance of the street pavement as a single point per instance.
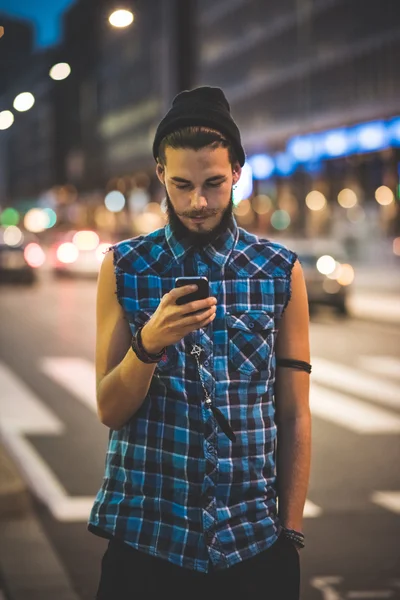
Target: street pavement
(53, 447)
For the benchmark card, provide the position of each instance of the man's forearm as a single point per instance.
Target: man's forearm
(293, 469)
(122, 391)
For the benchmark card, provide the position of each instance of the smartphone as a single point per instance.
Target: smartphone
(201, 293)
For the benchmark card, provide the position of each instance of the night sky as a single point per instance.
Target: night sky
(45, 15)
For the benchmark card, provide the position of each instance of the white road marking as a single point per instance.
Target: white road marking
(21, 410)
(352, 381)
(388, 366)
(22, 413)
(350, 413)
(388, 500)
(328, 587)
(311, 510)
(371, 594)
(370, 305)
(77, 375)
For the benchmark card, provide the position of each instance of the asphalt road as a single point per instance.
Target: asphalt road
(352, 522)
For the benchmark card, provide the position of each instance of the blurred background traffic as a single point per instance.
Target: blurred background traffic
(315, 90)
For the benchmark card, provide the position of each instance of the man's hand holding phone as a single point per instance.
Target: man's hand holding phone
(171, 321)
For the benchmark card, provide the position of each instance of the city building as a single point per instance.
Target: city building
(314, 89)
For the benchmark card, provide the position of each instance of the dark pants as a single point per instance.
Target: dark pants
(127, 574)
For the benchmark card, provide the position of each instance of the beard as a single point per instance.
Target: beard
(202, 238)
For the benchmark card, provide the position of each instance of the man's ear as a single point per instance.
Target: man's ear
(237, 170)
(160, 171)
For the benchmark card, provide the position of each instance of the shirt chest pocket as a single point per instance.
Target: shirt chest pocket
(251, 340)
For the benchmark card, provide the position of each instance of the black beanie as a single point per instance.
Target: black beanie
(205, 106)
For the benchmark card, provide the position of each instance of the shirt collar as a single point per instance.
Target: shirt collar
(218, 251)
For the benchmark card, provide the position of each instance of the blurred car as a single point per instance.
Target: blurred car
(20, 256)
(327, 272)
(77, 253)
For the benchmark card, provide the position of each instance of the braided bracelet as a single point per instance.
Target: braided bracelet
(294, 536)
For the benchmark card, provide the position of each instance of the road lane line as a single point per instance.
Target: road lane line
(353, 381)
(22, 413)
(388, 366)
(21, 410)
(77, 375)
(311, 510)
(388, 500)
(354, 415)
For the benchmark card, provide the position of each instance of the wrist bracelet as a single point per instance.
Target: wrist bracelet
(141, 353)
(294, 536)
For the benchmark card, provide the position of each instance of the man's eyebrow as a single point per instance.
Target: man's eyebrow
(209, 180)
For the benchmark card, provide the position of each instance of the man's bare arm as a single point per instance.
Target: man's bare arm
(122, 380)
(292, 407)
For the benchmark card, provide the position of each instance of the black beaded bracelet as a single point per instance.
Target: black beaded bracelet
(141, 353)
(294, 536)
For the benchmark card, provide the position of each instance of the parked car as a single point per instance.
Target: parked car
(327, 271)
(77, 253)
(20, 256)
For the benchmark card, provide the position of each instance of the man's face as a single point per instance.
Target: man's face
(199, 190)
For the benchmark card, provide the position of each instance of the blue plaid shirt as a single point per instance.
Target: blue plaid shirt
(174, 485)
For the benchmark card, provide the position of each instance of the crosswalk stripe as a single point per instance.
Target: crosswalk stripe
(77, 375)
(23, 413)
(350, 413)
(311, 510)
(351, 381)
(21, 410)
(388, 500)
(387, 366)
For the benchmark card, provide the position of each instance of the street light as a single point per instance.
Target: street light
(60, 71)
(24, 101)
(121, 18)
(6, 119)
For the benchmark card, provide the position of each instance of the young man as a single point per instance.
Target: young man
(208, 411)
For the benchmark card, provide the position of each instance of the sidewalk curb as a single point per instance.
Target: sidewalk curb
(29, 566)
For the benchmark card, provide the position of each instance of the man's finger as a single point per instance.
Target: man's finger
(182, 291)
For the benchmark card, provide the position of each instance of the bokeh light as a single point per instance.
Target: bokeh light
(6, 119)
(9, 216)
(356, 214)
(86, 240)
(52, 217)
(114, 201)
(101, 251)
(60, 71)
(280, 219)
(121, 18)
(34, 255)
(347, 198)
(67, 253)
(13, 236)
(262, 204)
(346, 274)
(315, 200)
(36, 220)
(24, 101)
(326, 264)
(384, 195)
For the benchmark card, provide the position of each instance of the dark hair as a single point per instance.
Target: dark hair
(195, 137)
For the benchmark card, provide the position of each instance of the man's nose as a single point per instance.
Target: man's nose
(198, 201)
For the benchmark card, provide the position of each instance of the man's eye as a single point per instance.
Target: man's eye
(182, 187)
(215, 185)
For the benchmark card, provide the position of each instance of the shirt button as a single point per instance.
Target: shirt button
(251, 325)
(206, 363)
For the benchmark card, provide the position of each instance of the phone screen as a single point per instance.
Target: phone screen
(200, 294)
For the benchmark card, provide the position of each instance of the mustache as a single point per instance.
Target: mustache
(198, 214)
